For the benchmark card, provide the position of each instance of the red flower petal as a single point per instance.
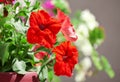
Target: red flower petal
(43, 29)
(67, 28)
(60, 15)
(1, 1)
(66, 58)
(46, 38)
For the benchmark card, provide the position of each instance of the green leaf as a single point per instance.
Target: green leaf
(107, 67)
(3, 20)
(56, 79)
(96, 36)
(8, 25)
(4, 54)
(65, 6)
(36, 5)
(50, 75)
(27, 2)
(19, 66)
(96, 61)
(43, 74)
(5, 68)
(102, 64)
(43, 49)
(9, 8)
(19, 26)
(16, 5)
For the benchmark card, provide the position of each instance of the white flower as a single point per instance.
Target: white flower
(89, 23)
(84, 45)
(83, 30)
(89, 18)
(81, 74)
(80, 77)
(86, 63)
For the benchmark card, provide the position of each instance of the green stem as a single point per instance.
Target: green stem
(46, 63)
(49, 60)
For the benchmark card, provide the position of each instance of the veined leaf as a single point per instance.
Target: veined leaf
(4, 54)
(18, 26)
(43, 74)
(19, 66)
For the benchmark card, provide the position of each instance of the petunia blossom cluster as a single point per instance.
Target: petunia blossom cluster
(29, 36)
(39, 36)
(43, 30)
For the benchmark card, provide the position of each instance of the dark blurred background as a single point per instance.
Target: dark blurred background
(107, 13)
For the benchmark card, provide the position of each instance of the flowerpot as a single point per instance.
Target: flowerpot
(14, 77)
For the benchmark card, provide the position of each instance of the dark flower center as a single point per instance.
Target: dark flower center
(41, 26)
(65, 58)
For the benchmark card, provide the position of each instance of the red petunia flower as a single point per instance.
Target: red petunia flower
(1, 1)
(43, 29)
(66, 58)
(67, 28)
(7, 1)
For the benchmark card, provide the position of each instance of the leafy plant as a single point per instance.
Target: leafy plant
(42, 39)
